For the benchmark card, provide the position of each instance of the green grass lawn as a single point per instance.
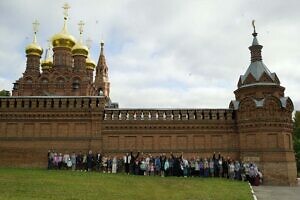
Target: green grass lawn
(43, 184)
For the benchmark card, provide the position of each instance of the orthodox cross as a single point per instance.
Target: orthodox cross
(66, 7)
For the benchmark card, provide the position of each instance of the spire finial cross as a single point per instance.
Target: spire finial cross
(66, 7)
(254, 30)
(35, 26)
(81, 24)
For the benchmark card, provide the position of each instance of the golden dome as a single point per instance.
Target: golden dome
(34, 48)
(90, 64)
(47, 64)
(80, 49)
(63, 38)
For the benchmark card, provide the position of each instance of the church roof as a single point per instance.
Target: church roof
(257, 69)
(257, 72)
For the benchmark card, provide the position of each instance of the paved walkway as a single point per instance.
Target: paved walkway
(277, 192)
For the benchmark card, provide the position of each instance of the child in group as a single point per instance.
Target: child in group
(152, 169)
(104, 164)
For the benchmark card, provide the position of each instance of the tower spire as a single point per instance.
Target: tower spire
(254, 31)
(101, 80)
(255, 48)
(102, 48)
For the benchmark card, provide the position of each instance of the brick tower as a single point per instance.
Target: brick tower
(264, 121)
(101, 81)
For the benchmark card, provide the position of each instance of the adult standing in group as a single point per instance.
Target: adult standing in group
(127, 159)
(73, 161)
(79, 160)
(114, 165)
(163, 159)
(176, 164)
(49, 159)
(90, 160)
(98, 160)
(225, 168)
(133, 162)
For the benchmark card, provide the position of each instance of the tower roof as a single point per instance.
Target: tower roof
(257, 72)
(102, 68)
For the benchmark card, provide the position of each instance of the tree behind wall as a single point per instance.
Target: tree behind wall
(296, 136)
(4, 93)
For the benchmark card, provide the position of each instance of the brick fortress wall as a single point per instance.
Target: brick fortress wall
(30, 126)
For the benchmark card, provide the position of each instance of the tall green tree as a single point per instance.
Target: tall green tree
(296, 138)
(4, 93)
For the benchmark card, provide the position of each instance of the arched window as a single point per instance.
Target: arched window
(76, 84)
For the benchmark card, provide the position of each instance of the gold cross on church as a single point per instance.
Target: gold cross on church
(35, 26)
(66, 7)
(81, 24)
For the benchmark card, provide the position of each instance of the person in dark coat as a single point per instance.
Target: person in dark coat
(177, 171)
(89, 160)
(79, 159)
(162, 162)
(216, 164)
(49, 159)
(132, 162)
(225, 168)
(98, 160)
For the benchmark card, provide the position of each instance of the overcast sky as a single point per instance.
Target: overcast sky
(164, 53)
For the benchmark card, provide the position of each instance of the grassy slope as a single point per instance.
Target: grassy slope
(43, 184)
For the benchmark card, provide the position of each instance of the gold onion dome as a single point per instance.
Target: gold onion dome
(47, 62)
(34, 48)
(64, 38)
(90, 64)
(80, 48)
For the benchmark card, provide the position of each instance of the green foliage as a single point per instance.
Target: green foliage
(42, 184)
(4, 93)
(296, 138)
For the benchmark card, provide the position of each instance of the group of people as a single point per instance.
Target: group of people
(159, 165)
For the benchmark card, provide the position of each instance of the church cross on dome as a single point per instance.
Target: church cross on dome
(66, 7)
(81, 25)
(35, 26)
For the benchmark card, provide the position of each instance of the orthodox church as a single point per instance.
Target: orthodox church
(68, 73)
